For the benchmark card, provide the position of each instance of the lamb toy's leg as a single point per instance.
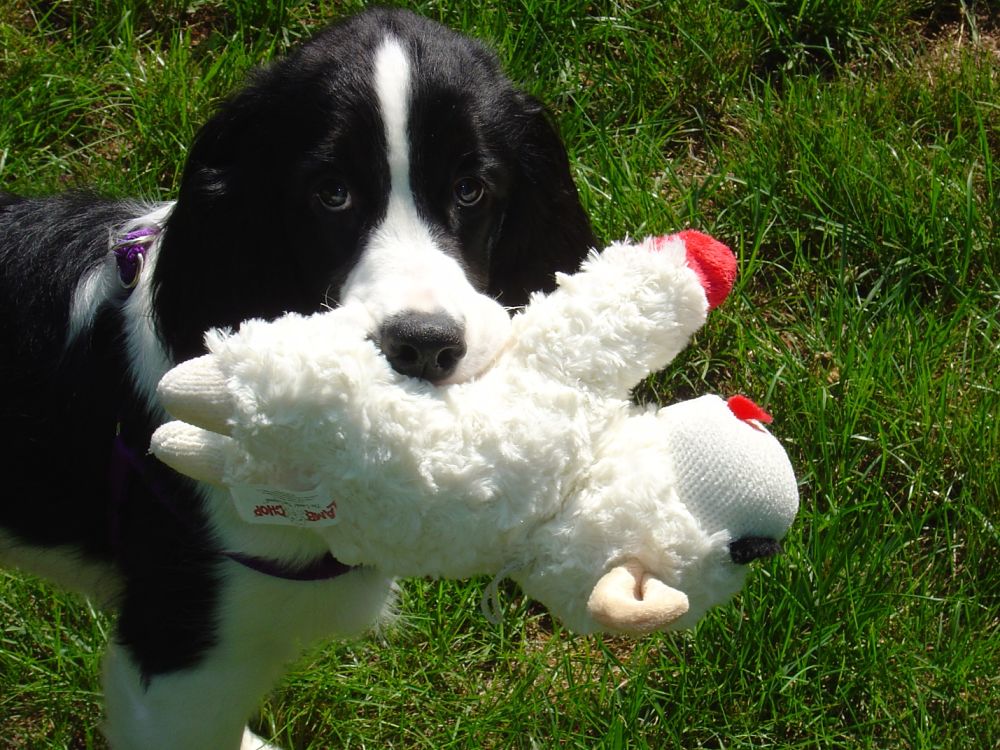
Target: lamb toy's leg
(626, 313)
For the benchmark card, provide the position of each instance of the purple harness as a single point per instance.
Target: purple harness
(130, 254)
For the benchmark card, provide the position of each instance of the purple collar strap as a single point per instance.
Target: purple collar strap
(125, 461)
(130, 254)
(321, 569)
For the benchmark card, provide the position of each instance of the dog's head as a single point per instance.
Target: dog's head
(388, 161)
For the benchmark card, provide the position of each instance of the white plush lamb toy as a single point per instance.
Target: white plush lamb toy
(617, 517)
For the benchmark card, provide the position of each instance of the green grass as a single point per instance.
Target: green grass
(847, 151)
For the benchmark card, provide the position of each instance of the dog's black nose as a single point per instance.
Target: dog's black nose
(749, 548)
(423, 345)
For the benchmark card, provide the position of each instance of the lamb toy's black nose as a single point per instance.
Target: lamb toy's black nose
(749, 548)
(423, 345)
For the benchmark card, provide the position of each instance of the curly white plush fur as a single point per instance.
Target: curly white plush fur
(616, 517)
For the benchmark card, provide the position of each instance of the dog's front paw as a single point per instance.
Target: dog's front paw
(252, 742)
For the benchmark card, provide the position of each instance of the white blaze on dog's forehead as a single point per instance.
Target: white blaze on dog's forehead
(404, 244)
(402, 267)
(392, 87)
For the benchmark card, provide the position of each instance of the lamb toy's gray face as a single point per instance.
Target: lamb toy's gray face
(677, 504)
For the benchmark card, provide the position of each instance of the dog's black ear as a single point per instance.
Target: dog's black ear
(545, 228)
(225, 254)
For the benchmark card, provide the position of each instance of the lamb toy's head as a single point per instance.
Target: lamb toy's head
(676, 505)
(617, 517)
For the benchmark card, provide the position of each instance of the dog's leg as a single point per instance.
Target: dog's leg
(264, 624)
(252, 742)
(197, 708)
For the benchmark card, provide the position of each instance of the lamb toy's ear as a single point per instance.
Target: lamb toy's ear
(628, 599)
(627, 313)
(197, 445)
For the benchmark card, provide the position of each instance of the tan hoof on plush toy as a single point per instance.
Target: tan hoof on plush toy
(196, 391)
(192, 451)
(628, 599)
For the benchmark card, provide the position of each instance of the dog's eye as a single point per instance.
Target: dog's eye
(334, 196)
(469, 191)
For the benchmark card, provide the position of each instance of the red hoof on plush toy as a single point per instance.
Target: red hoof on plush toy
(714, 263)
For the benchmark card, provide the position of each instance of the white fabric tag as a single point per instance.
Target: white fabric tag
(267, 505)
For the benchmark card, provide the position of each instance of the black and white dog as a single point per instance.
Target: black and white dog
(387, 161)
